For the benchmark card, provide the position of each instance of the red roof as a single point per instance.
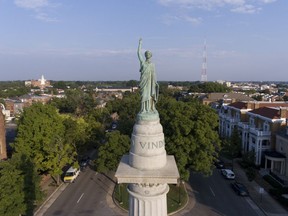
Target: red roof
(268, 112)
(239, 105)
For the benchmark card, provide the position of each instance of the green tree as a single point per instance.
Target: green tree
(209, 87)
(191, 134)
(258, 97)
(76, 133)
(76, 102)
(132, 83)
(40, 137)
(110, 153)
(12, 197)
(127, 109)
(61, 154)
(97, 120)
(19, 186)
(59, 85)
(232, 145)
(248, 159)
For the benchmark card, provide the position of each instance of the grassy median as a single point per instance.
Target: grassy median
(176, 198)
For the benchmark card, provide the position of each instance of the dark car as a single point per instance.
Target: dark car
(114, 125)
(219, 164)
(240, 189)
(84, 162)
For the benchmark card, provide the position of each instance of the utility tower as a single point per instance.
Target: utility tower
(204, 65)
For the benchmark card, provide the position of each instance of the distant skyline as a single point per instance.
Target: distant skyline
(96, 40)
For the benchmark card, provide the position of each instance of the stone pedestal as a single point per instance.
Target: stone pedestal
(147, 169)
(147, 150)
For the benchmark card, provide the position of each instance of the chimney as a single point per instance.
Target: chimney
(249, 105)
(283, 112)
(257, 105)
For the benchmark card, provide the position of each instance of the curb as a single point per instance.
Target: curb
(184, 206)
(38, 211)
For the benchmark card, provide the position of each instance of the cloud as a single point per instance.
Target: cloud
(31, 4)
(39, 8)
(168, 19)
(65, 52)
(193, 20)
(248, 9)
(238, 6)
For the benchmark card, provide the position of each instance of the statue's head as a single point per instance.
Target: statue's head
(148, 54)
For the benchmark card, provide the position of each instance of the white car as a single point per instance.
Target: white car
(71, 174)
(228, 174)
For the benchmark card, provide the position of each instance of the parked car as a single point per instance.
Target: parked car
(240, 189)
(71, 174)
(84, 162)
(228, 174)
(219, 164)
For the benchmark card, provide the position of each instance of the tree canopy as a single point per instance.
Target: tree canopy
(40, 136)
(191, 134)
(110, 152)
(209, 87)
(190, 130)
(19, 186)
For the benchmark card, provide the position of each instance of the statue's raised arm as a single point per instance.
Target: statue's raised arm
(148, 83)
(141, 59)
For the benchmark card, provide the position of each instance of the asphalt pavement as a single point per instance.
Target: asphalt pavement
(268, 205)
(258, 194)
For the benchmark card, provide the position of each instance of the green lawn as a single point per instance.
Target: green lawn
(176, 197)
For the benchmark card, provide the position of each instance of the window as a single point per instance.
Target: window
(237, 116)
(266, 126)
(265, 143)
(251, 122)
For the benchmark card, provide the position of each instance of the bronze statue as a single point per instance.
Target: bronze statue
(149, 88)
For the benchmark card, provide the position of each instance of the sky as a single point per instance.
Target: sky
(97, 40)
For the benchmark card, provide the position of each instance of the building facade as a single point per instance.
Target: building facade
(258, 124)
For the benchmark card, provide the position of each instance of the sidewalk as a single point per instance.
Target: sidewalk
(264, 201)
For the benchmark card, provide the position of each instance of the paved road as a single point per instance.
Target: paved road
(214, 196)
(89, 195)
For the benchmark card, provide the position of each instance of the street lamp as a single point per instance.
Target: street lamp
(179, 200)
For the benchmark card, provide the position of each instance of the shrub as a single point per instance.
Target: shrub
(272, 181)
(251, 173)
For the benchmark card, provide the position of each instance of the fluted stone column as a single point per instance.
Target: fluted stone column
(148, 199)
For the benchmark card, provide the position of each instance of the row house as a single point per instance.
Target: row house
(257, 123)
(16, 106)
(277, 161)
(224, 98)
(263, 124)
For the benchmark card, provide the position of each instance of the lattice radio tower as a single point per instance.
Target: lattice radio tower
(204, 65)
